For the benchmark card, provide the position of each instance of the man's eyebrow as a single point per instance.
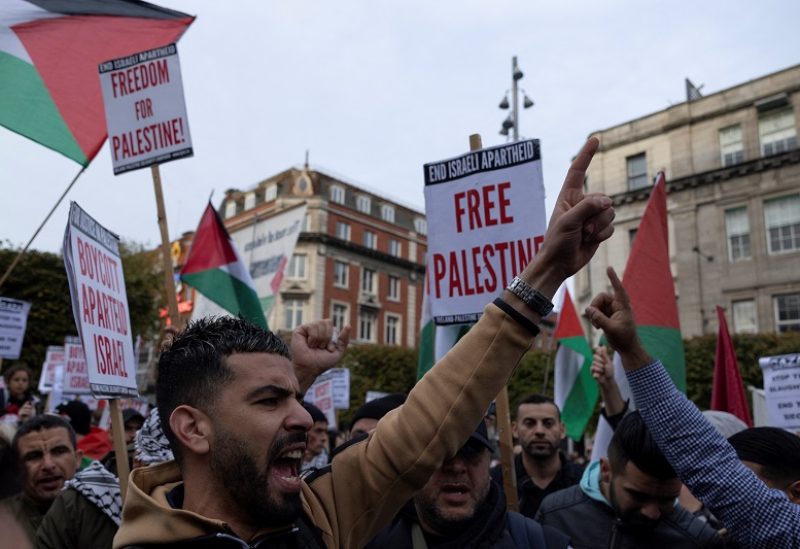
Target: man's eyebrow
(272, 391)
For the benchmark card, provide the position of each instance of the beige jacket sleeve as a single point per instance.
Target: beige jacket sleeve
(370, 481)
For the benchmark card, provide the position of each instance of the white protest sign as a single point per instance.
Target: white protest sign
(13, 320)
(53, 357)
(145, 109)
(323, 399)
(58, 386)
(265, 247)
(76, 377)
(99, 305)
(340, 377)
(486, 220)
(782, 389)
(374, 395)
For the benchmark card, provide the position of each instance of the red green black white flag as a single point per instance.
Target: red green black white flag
(215, 269)
(49, 53)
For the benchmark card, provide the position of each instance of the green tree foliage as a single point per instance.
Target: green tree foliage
(41, 279)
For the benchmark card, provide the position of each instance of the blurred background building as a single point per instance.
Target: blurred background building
(733, 181)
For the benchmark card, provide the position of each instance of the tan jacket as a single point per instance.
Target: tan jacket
(370, 481)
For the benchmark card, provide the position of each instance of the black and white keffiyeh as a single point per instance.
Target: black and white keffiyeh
(100, 487)
(152, 445)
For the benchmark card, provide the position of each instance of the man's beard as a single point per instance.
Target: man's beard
(447, 527)
(631, 519)
(234, 465)
(539, 452)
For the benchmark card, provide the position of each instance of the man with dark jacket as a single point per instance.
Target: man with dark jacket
(461, 507)
(541, 468)
(229, 400)
(627, 500)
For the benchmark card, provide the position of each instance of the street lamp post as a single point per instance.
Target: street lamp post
(512, 121)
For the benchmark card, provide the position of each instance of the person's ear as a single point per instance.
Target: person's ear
(514, 429)
(563, 429)
(78, 459)
(192, 428)
(605, 470)
(793, 491)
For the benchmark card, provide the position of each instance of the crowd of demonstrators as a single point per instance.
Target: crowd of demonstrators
(541, 467)
(755, 514)
(219, 462)
(627, 499)
(460, 506)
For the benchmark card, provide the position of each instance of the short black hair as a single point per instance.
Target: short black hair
(776, 450)
(192, 368)
(38, 423)
(632, 442)
(537, 398)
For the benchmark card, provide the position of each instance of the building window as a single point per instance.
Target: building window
(337, 194)
(632, 237)
(343, 230)
(394, 288)
(230, 208)
(368, 282)
(782, 218)
(340, 271)
(745, 318)
(637, 171)
(249, 201)
(292, 313)
(366, 326)
(387, 213)
(776, 131)
(297, 267)
(363, 204)
(392, 336)
(304, 225)
(421, 226)
(731, 148)
(339, 316)
(737, 226)
(787, 313)
(370, 240)
(270, 193)
(395, 248)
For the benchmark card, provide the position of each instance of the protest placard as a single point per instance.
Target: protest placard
(340, 377)
(99, 305)
(266, 247)
(76, 376)
(782, 389)
(145, 109)
(52, 358)
(13, 320)
(323, 399)
(486, 221)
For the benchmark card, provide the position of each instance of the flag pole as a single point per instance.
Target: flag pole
(120, 448)
(503, 413)
(166, 256)
(28, 245)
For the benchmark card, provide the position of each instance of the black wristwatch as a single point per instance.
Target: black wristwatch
(532, 297)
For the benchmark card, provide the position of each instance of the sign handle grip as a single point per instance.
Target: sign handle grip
(120, 449)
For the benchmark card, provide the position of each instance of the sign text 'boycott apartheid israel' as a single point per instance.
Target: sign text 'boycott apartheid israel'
(100, 304)
(486, 220)
(145, 109)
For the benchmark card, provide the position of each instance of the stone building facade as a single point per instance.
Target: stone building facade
(733, 181)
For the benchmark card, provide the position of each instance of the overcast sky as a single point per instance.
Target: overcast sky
(375, 89)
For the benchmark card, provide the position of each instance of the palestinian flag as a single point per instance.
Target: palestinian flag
(215, 269)
(49, 54)
(648, 281)
(576, 391)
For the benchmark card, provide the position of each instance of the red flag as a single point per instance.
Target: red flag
(727, 392)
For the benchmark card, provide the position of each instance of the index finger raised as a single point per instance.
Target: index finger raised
(619, 290)
(577, 170)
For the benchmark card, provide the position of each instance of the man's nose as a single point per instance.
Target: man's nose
(454, 465)
(298, 419)
(48, 463)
